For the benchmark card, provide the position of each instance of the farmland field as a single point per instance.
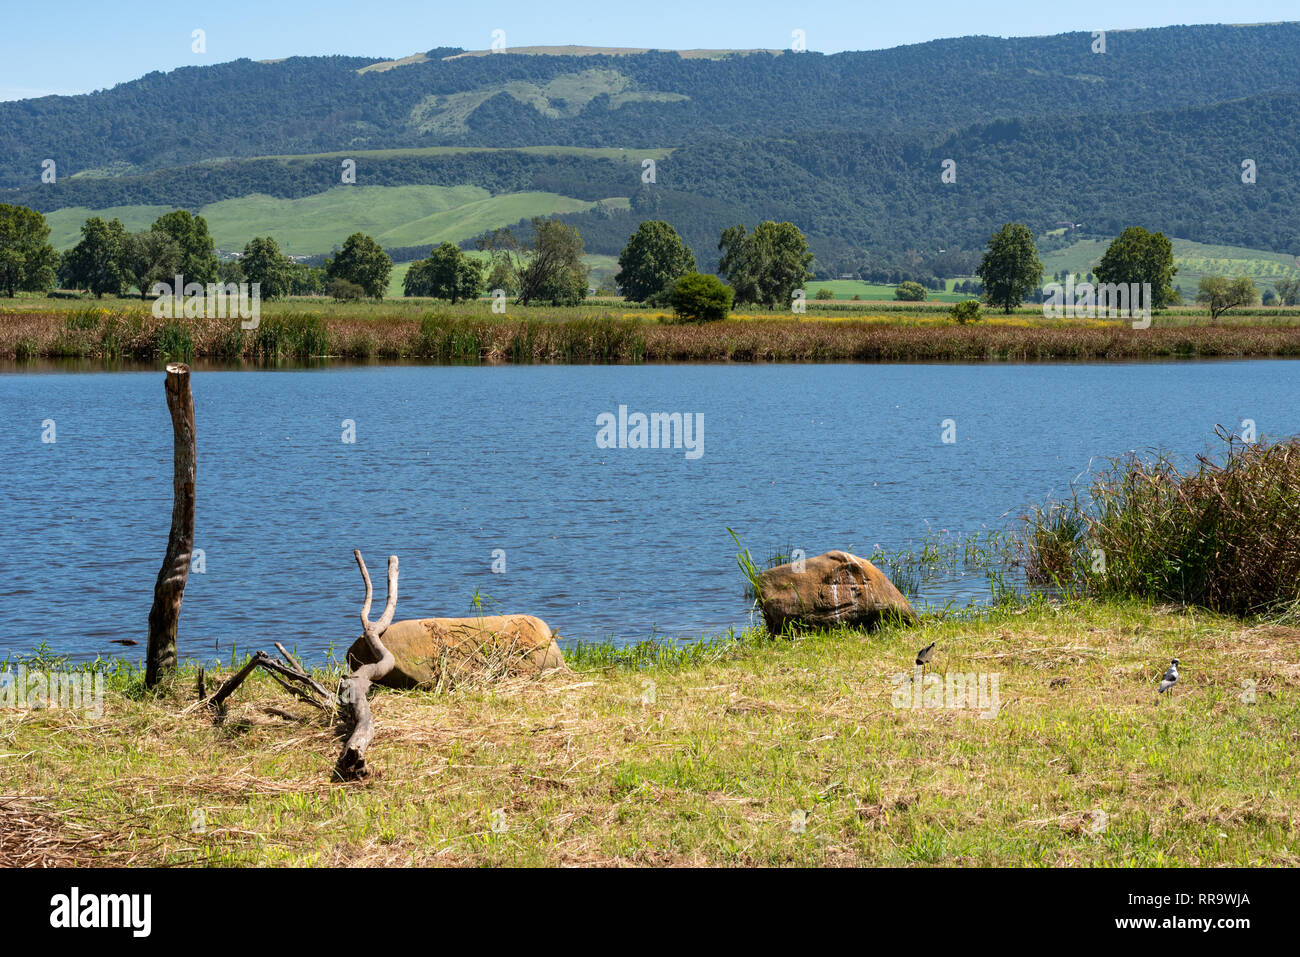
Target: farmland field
(393, 215)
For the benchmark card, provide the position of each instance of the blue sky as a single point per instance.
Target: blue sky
(83, 45)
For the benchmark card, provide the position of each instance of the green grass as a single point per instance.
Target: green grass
(393, 215)
(846, 289)
(565, 95)
(704, 753)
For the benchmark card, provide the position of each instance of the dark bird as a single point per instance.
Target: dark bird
(924, 655)
(1171, 677)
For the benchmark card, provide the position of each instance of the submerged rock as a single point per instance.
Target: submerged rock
(832, 590)
(429, 649)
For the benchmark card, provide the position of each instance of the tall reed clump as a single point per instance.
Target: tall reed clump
(1223, 536)
(452, 341)
(290, 337)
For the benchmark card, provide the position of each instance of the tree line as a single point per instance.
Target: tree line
(764, 267)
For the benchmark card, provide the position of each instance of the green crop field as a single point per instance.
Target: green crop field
(1193, 260)
(393, 215)
(848, 288)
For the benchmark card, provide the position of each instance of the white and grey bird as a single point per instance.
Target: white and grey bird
(1171, 677)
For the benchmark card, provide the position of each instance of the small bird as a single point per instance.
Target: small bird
(1171, 677)
(924, 655)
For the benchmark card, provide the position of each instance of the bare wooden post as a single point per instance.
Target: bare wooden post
(169, 590)
(353, 706)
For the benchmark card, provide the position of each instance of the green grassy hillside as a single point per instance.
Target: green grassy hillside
(393, 215)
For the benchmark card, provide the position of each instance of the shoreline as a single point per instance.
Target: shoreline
(756, 752)
(131, 336)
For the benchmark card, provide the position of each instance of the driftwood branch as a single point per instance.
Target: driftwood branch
(351, 704)
(354, 708)
(169, 589)
(321, 698)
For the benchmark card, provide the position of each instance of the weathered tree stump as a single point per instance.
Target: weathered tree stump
(169, 589)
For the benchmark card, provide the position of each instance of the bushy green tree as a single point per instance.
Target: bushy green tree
(362, 262)
(344, 291)
(968, 310)
(1221, 293)
(149, 257)
(909, 292)
(554, 271)
(1137, 256)
(503, 277)
(1010, 268)
(700, 297)
(95, 263)
(28, 263)
(190, 233)
(262, 262)
(307, 280)
(767, 265)
(653, 258)
(1288, 291)
(448, 273)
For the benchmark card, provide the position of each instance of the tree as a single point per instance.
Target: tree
(1138, 256)
(190, 233)
(28, 263)
(95, 262)
(1221, 293)
(448, 273)
(1288, 291)
(306, 280)
(699, 297)
(968, 310)
(1010, 268)
(909, 292)
(362, 262)
(147, 258)
(554, 269)
(765, 266)
(262, 262)
(503, 277)
(343, 290)
(653, 258)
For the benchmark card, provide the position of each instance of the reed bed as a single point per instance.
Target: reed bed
(1222, 535)
(457, 338)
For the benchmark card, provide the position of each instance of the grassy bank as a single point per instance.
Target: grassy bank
(591, 334)
(709, 756)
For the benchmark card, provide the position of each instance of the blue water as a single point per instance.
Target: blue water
(450, 464)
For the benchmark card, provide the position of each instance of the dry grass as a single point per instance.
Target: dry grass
(707, 763)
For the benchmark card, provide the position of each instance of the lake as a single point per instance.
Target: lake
(456, 469)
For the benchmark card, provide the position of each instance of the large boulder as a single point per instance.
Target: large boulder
(829, 591)
(428, 650)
